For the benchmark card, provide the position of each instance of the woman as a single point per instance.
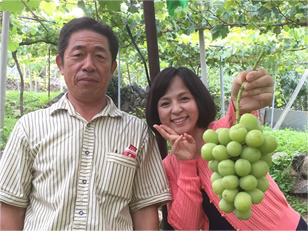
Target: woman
(180, 109)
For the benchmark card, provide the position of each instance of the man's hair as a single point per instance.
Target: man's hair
(204, 100)
(87, 23)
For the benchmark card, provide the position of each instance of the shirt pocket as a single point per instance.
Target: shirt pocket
(119, 175)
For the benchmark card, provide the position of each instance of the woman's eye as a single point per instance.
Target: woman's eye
(185, 98)
(164, 104)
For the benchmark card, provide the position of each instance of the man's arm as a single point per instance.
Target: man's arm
(11, 217)
(146, 218)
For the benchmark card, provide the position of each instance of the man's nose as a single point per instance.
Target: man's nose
(88, 64)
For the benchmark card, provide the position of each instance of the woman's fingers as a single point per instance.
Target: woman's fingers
(166, 132)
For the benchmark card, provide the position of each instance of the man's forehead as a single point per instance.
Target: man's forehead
(79, 40)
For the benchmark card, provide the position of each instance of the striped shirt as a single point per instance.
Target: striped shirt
(71, 174)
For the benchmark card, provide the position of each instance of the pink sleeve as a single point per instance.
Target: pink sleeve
(229, 120)
(185, 211)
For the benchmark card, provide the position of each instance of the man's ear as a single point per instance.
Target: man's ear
(59, 63)
(114, 66)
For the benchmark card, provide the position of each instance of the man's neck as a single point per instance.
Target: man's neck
(88, 109)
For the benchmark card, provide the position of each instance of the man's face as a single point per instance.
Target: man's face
(87, 66)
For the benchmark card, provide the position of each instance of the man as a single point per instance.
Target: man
(82, 163)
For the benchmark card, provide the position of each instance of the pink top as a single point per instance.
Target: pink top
(186, 178)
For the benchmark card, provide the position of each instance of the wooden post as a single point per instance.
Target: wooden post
(153, 57)
(151, 35)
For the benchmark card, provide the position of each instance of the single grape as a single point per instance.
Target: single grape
(242, 215)
(217, 187)
(210, 136)
(230, 182)
(251, 154)
(242, 201)
(254, 138)
(218, 130)
(267, 157)
(229, 194)
(226, 167)
(226, 206)
(256, 195)
(206, 151)
(223, 136)
(238, 133)
(213, 165)
(259, 169)
(242, 167)
(234, 148)
(260, 128)
(219, 152)
(250, 121)
(263, 184)
(215, 176)
(248, 182)
(269, 145)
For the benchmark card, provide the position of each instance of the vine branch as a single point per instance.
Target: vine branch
(238, 99)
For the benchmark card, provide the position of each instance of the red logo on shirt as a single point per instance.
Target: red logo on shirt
(130, 151)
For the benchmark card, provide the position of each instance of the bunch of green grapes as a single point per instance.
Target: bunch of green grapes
(239, 158)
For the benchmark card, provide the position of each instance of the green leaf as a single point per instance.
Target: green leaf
(228, 5)
(286, 27)
(33, 4)
(219, 30)
(264, 12)
(111, 5)
(12, 6)
(48, 7)
(241, 19)
(65, 9)
(173, 4)
(277, 30)
(190, 29)
(12, 46)
(82, 6)
(275, 11)
(251, 26)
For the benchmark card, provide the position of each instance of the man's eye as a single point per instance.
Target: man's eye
(100, 57)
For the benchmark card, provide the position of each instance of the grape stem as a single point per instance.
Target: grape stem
(239, 94)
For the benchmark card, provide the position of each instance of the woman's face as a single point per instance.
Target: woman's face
(177, 108)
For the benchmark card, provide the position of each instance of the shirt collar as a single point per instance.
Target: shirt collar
(64, 104)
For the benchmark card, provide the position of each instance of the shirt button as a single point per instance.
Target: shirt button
(87, 152)
(88, 125)
(80, 212)
(84, 181)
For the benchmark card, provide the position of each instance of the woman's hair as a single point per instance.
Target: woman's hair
(87, 23)
(203, 98)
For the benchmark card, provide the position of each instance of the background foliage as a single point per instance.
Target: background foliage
(240, 28)
(235, 32)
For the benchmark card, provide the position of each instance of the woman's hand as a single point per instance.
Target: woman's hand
(258, 90)
(182, 146)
